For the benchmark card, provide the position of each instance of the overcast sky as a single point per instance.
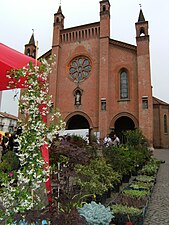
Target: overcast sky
(19, 17)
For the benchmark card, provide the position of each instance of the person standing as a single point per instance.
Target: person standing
(1, 149)
(107, 141)
(5, 143)
(116, 141)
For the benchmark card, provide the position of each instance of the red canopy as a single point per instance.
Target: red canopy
(11, 59)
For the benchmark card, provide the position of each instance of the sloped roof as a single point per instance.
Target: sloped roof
(157, 101)
(7, 115)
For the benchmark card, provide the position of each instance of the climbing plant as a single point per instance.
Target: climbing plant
(19, 192)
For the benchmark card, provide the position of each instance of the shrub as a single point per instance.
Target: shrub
(97, 177)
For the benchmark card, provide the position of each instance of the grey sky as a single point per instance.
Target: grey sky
(18, 18)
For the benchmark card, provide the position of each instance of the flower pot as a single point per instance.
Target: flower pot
(126, 178)
(129, 223)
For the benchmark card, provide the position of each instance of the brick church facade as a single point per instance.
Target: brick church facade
(102, 84)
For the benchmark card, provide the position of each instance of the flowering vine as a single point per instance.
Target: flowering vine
(19, 191)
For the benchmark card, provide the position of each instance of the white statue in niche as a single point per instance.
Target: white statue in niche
(78, 98)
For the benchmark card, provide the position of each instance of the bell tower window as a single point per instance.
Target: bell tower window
(142, 31)
(57, 20)
(28, 51)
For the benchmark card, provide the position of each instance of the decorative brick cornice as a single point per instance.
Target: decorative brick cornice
(77, 28)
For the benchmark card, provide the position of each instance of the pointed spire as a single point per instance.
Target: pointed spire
(32, 39)
(59, 9)
(141, 16)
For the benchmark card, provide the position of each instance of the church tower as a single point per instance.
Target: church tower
(104, 66)
(30, 48)
(144, 78)
(58, 25)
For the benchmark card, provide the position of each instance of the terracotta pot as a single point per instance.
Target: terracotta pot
(129, 223)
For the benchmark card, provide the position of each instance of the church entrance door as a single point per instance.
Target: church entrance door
(77, 122)
(123, 124)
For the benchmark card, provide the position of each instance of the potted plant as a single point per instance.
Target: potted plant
(145, 178)
(136, 193)
(96, 177)
(137, 185)
(125, 215)
(96, 214)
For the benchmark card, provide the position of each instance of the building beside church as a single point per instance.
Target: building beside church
(8, 122)
(102, 84)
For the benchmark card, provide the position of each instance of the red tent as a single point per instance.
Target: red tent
(11, 59)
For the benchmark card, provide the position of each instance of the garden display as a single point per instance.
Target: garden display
(81, 177)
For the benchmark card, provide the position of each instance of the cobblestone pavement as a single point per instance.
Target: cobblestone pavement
(158, 208)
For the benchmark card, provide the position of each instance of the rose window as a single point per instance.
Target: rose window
(80, 68)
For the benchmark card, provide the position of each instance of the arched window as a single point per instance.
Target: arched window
(57, 20)
(165, 124)
(28, 52)
(34, 53)
(123, 85)
(142, 31)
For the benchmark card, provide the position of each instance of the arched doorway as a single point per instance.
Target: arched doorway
(77, 122)
(123, 124)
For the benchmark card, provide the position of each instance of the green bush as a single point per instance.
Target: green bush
(135, 138)
(97, 177)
